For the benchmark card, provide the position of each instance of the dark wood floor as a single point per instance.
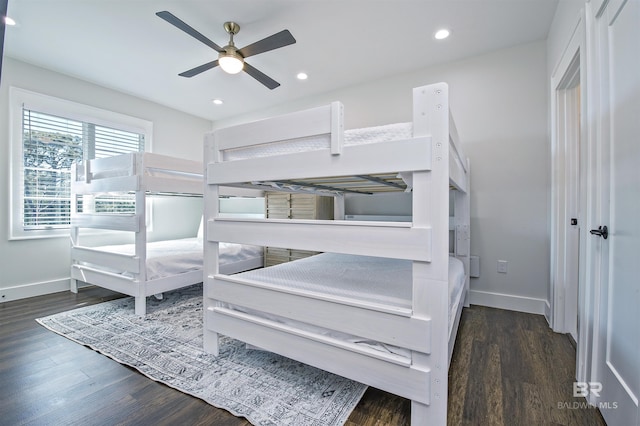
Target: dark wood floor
(508, 369)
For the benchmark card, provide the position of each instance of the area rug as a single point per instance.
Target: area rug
(166, 346)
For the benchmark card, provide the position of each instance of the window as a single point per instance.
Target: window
(50, 145)
(48, 136)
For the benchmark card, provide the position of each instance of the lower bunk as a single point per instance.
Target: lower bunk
(170, 265)
(350, 315)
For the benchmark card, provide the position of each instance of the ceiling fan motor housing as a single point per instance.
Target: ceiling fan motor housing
(231, 28)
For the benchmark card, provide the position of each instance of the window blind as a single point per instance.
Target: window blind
(50, 145)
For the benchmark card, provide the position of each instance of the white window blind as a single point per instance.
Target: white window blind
(50, 145)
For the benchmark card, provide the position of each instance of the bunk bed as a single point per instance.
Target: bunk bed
(380, 305)
(142, 268)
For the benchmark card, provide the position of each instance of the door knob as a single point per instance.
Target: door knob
(602, 231)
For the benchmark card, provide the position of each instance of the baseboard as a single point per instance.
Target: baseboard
(483, 298)
(507, 301)
(34, 289)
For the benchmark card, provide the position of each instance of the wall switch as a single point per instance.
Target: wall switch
(502, 266)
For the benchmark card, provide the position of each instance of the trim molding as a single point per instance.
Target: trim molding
(483, 298)
(508, 301)
(34, 289)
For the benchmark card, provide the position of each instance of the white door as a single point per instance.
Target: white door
(616, 361)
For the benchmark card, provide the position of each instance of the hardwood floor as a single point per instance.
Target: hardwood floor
(508, 368)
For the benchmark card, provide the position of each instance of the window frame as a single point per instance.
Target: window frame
(20, 98)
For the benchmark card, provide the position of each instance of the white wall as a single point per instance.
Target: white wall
(30, 267)
(499, 102)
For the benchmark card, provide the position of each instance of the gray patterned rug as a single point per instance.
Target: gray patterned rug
(166, 346)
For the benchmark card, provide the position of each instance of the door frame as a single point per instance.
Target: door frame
(565, 179)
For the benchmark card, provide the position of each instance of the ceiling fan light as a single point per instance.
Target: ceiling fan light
(230, 62)
(442, 34)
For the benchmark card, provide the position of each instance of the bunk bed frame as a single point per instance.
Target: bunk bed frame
(141, 174)
(432, 163)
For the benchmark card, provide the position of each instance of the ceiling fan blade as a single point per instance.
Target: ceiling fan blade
(281, 39)
(175, 21)
(261, 77)
(198, 70)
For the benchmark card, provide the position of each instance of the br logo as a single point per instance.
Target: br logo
(584, 388)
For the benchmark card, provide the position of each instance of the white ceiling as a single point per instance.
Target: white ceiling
(123, 45)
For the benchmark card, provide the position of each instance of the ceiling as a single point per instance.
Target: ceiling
(123, 45)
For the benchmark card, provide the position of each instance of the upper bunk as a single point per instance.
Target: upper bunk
(99, 185)
(309, 151)
(138, 171)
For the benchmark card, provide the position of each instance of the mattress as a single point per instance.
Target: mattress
(389, 132)
(373, 279)
(173, 257)
(457, 281)
(365, 278)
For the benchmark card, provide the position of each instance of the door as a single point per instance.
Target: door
(616, 361)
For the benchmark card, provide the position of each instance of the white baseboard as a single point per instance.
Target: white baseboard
(508, 301)
(482, 298)
(34, 289)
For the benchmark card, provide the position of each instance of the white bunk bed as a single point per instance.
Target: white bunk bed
(340, 311)
(142, 268)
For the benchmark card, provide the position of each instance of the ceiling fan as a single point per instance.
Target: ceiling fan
(230, 58)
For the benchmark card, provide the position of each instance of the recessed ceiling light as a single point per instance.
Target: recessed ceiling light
(9, 21)
(302, 76)
(217, 101)
(442, 34)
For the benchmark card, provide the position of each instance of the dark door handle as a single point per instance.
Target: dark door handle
(602, 231)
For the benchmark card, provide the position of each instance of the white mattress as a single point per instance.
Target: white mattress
(374, 279)
(389, 132)
(457, 280)
(172, 257)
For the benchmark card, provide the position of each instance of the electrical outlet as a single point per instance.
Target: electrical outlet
(502, 266)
